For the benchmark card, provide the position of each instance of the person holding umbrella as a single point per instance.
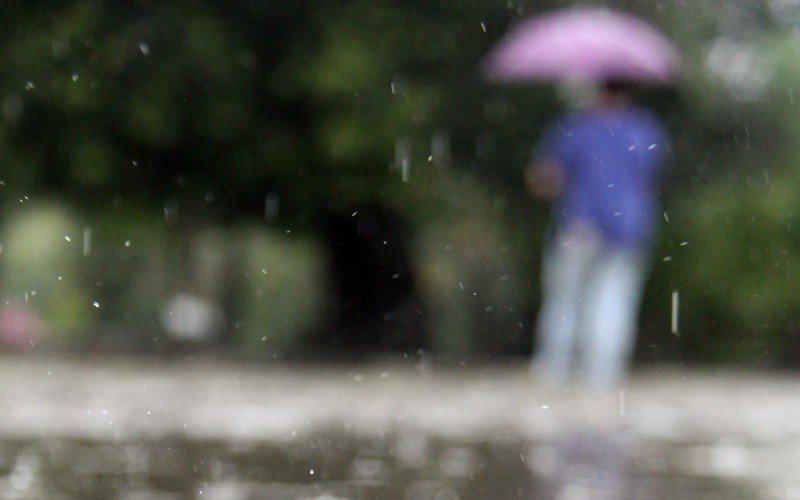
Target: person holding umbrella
(599, 165)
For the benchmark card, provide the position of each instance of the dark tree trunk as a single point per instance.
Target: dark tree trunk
(377, 306)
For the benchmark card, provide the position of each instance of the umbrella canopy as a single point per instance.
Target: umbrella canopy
(585, 44)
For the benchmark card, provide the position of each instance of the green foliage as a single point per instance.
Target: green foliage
(730, 247)
(470, 276)
(39, 266)
(123, 112)
(281, 299)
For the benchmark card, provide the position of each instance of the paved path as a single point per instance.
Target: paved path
(729, 424)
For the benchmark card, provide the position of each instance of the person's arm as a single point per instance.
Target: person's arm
(544, 179)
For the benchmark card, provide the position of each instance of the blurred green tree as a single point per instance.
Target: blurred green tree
(179, 114)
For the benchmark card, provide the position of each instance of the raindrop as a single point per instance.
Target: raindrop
(96, 304)
(170, 211)
(440, 148)
(272, 203)
(127, 243)
(67, 237)
(87, 241)
(399, 85)
(30, 86)
(483, 26)
(75, 77)
(144, 48)
(674, 316)
(402, 153)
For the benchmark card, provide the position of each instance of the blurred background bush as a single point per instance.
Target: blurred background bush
(279, 178)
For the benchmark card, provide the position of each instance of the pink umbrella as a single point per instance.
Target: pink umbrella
(584, 43)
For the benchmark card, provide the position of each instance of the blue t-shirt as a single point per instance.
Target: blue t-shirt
(611, 160)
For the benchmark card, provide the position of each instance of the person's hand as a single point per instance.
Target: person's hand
(544, 180)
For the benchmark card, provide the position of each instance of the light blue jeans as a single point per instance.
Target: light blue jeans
(587, 323)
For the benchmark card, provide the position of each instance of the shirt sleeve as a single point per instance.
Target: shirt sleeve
(659, 147)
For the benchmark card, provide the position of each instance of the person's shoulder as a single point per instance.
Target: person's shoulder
(563, 126)
(573, 121)
(576, 116)
(645, 119)
(647, 116)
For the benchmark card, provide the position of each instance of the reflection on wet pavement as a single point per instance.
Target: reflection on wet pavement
(140, 430)
(334, 465)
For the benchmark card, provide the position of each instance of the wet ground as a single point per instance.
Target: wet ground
(133, 428)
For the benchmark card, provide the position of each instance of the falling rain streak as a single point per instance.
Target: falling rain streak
(440, 148)
(272, 204)
(674, 317)
(87, 241)
(402, 157)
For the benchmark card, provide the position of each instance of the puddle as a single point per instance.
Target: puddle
(331, 465)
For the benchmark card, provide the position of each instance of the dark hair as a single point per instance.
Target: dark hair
(625, 86)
